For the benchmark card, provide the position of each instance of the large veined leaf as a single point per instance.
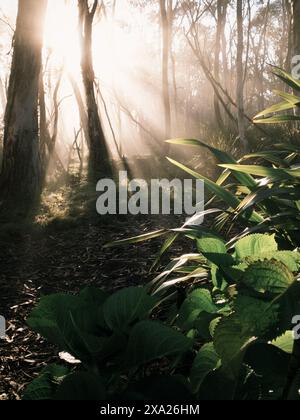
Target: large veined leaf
(268, 276)
(285, 342)
(205, 362)
(44, 387)
(93, 296)
(51, 318)
(151, 340)
(196, 303)
(71, 323)
(230, 342)
(255, 245)
(257, 317)
(126, 306)
(214, 249)
(222, 156)
(289, 258)
(81, 386)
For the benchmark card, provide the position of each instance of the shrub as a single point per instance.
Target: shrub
(237, 334)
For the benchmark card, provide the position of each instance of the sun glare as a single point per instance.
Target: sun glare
(61, 36)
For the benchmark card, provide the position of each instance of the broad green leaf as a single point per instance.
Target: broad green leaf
(268, 276)
(205, 362)
(81, 386)
(289, 258)
(257, 317)
(127, 306)
(214, 249)
(197, 302)
(51, 318)
(44, 387)
(285, 342)
(230, 342)
(151, 340)
(72, 324)
(255, 245)
(93, 296)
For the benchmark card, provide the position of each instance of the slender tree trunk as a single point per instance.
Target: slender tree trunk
(99, 162)
(240, 75)
(165, 67)
(21, 168)
(2, 95)
(217, 108)
(286, 47)
(296, 27)
(44, 131)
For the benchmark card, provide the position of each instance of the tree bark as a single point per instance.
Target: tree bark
(99, 162)
(21, 168)
(220, 23)
(240, 74)
(2, 95)
(296, 27)
(165, 68)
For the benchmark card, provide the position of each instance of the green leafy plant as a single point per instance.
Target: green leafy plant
(111, 336)
(220, 334)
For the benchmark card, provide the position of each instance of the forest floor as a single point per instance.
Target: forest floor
(62, 251)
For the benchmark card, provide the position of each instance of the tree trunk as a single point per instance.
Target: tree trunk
(99, 162)
(296, 27)
(21, 168)
(165, 68)
(2, 95)
(220, 23)
(240, 75)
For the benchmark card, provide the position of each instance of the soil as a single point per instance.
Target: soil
(63, 254)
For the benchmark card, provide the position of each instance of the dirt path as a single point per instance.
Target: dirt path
(63, 257)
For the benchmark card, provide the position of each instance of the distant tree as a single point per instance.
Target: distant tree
(165, 8)
(240, 73)
(296, 27)
(21, 180)
(221, 20)
(99, 163)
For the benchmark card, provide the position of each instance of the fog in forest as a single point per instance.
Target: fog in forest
(149, 202)
(127, 54)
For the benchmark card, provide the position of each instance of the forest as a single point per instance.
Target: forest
(149, 202)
